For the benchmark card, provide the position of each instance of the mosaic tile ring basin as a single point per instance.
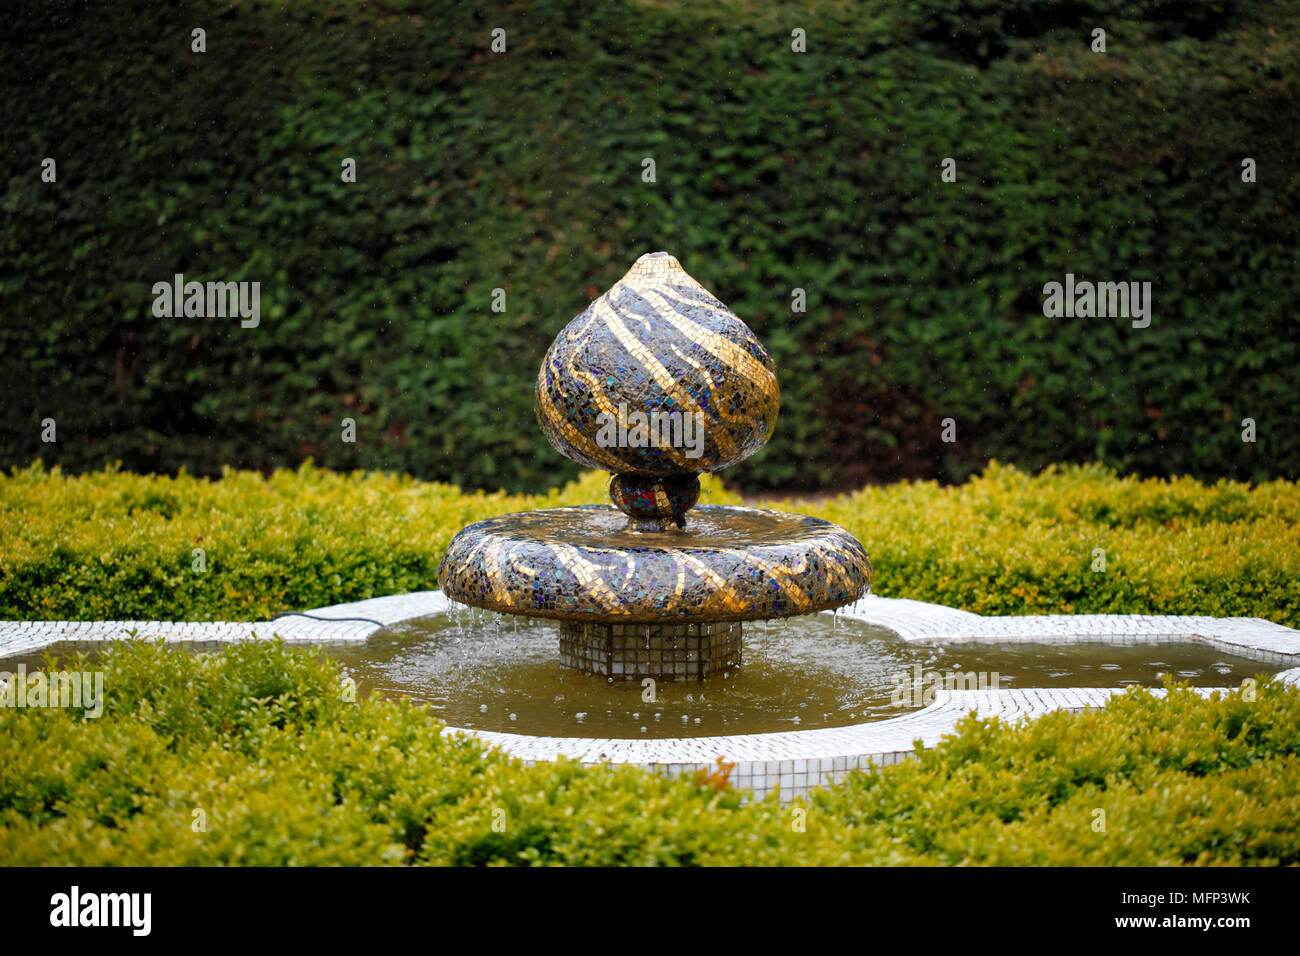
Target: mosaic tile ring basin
(580, 564)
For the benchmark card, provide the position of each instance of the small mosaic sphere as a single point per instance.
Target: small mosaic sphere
(657, 377)
(651, 501)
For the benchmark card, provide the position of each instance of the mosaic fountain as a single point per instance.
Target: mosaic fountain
(656, 382)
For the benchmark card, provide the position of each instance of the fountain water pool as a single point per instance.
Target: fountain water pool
(483, 671)
(794, 760)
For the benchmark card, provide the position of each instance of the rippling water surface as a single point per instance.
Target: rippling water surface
(487, 671)
(492, 672)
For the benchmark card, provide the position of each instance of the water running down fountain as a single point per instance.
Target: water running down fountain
(655, 587)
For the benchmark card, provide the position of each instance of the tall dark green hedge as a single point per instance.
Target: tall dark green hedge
(775, 170)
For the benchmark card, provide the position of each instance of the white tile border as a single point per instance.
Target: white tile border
(345, 622)
(931, 623)
(795, 761)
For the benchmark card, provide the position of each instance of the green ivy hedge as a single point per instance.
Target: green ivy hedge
(252, 756)
(775, 170)
(116, 546)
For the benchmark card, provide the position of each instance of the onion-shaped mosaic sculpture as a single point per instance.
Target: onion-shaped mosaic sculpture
(656, 382)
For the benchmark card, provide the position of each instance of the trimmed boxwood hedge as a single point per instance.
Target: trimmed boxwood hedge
(253, 756)
(775, 170)
(117, 546)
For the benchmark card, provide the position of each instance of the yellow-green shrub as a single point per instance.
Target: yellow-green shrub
(284, 772)
(110, 545)
(1179, 780)
(1010, 543)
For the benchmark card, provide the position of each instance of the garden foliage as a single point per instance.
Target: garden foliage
(252, 756)
(775, 170)
(116, 546)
